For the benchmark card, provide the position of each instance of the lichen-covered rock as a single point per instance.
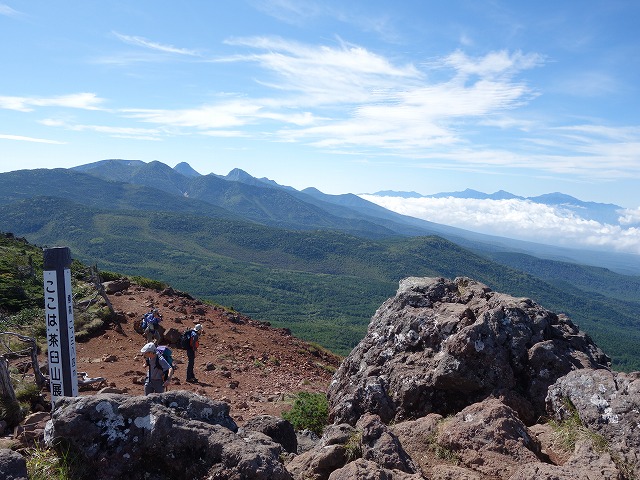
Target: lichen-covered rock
(608, 403)
(441, 345)
(176, 434)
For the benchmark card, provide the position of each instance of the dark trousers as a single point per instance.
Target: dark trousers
(191, 356)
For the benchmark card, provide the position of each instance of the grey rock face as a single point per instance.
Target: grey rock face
(172, 435)
(279, 430)
(368, 450)
(607, 403)
(441, 345)
(13, 466)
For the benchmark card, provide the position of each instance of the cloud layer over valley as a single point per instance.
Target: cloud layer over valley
(523, 219)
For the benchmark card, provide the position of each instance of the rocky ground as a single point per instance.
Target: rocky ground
(244, 362)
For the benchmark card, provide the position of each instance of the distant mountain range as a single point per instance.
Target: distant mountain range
(319, 264)
(601, 212)
(352, 214)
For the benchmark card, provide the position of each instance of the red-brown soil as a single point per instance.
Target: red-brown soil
(246, 363)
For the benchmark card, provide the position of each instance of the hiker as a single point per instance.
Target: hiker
(150, 323)
(192, 349)
(156, 380)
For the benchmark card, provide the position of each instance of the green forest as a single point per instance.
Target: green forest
(319, 266)
(323, 286)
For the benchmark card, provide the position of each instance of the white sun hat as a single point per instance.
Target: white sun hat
(149, 347)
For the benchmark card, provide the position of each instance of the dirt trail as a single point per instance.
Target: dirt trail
(243, 362)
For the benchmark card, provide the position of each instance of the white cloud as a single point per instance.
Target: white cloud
(372, 103)
(86, 101)
(347, 98)
(326, 76)
(7, 11)
(500, 63)
(630, 217)
(519, 219)
(30, 139)
(118, 132)
(223, 115)
(159, 47)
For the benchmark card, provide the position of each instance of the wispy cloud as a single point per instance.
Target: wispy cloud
(345, 98)
(224, 115)
(385, 105)
(159, 47)
(324, 75)
(21, 138)
(7, 11)
(301, 13)
(118, 132)
(501, 63)
(588, 84)
(521, 219)
(290, 11)
(86, 101)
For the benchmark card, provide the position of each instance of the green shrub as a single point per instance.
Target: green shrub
(56, 464)
(107, 276)
(353, 446)
(570, 430)
(149, 283)
(310, 411)
(27, 393)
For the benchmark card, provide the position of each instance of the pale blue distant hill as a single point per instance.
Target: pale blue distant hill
(183, 168)
(393, 193)
(601, 212)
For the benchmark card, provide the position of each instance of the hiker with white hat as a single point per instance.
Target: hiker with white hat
(192, 349)
(156, 380)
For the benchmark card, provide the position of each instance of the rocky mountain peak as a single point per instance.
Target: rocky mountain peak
(439, 346)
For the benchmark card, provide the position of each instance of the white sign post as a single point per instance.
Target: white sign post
(58, 309)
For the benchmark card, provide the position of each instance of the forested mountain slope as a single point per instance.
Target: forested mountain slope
(322, 283)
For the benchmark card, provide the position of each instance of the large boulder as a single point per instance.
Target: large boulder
(363, 469)
(381, 446)
(115, 286)
(490, 438)
(368, 450)
(176, 434)
(278, 429)
(441, 345)
(13, 466)
(587, 462)
(607, 403)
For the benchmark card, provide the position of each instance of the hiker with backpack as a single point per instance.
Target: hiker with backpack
(150, 323)
(191, 344)
(159, 371)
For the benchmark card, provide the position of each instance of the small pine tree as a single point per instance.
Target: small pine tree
(310, 411)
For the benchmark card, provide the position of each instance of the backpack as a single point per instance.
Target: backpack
(185, 339)
(167, 354)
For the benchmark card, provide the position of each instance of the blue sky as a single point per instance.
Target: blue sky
(346, 96)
